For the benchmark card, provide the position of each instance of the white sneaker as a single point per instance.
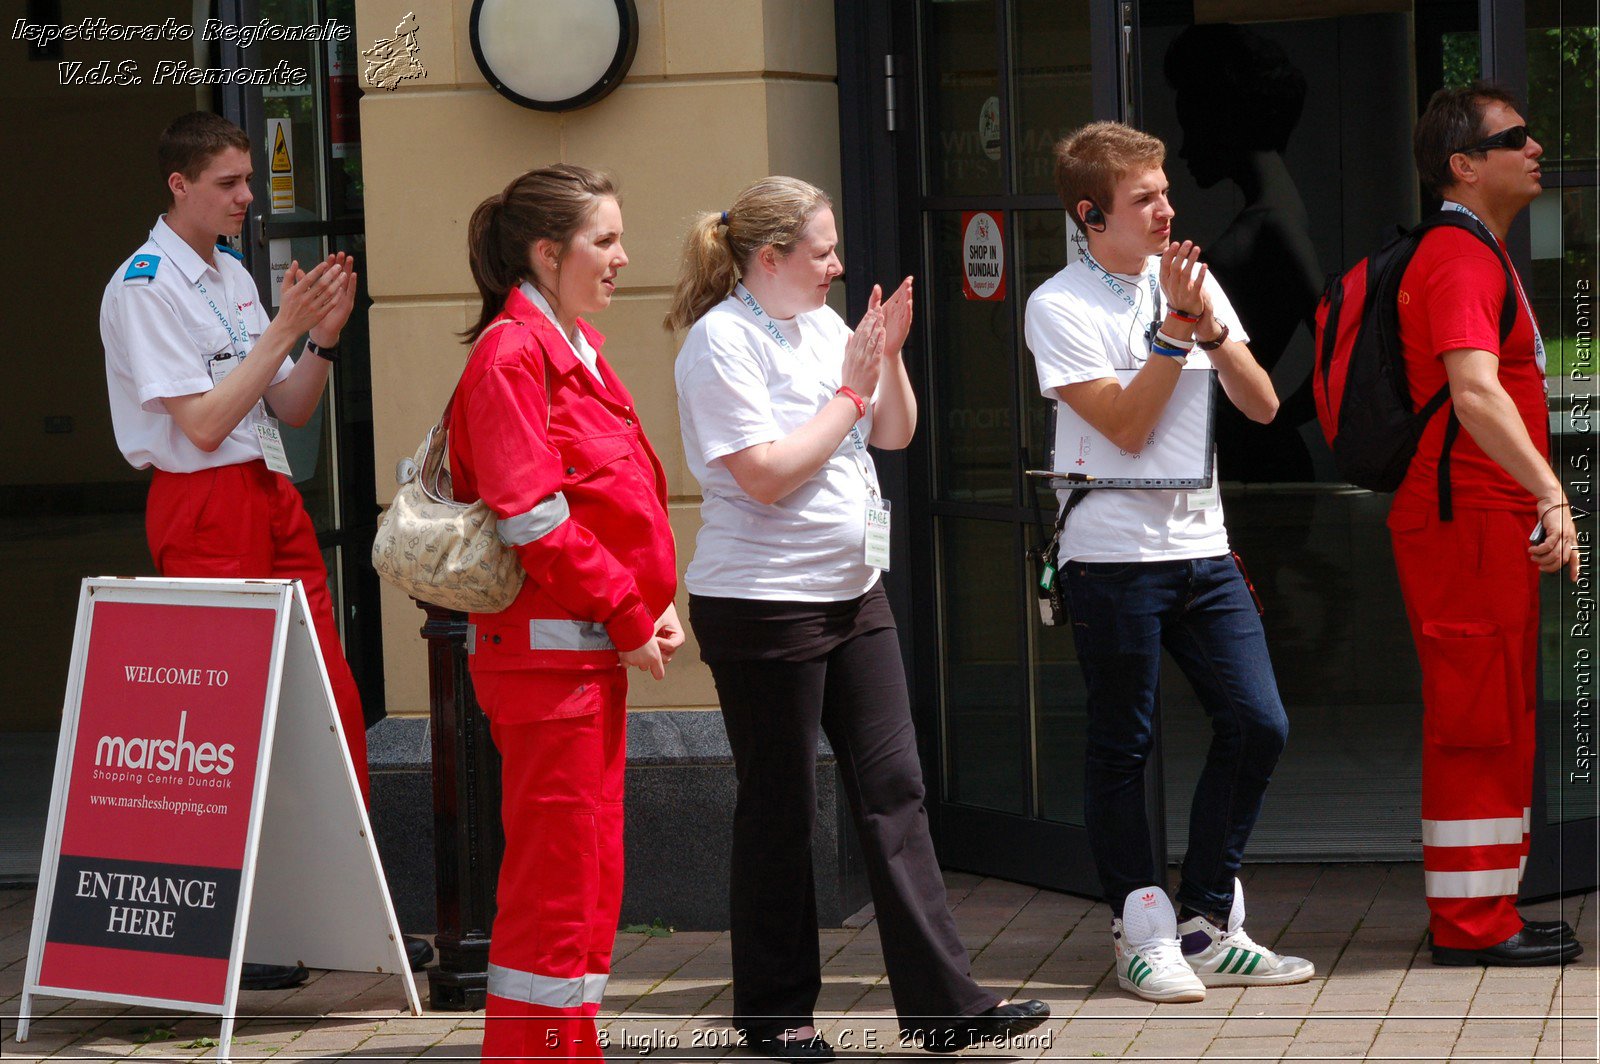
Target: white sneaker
(1149, 959)
(1231, 958)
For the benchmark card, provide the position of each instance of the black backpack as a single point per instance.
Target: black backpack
(1359, 374)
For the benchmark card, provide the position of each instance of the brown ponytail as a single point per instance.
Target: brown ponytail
(718, 249)
(551, 203)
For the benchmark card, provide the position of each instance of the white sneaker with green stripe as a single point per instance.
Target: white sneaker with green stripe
(1149, 958)
(1229, 957)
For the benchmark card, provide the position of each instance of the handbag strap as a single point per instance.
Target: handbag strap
(431, 455)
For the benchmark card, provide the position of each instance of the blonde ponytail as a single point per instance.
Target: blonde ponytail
(717, 252)
(707, 274)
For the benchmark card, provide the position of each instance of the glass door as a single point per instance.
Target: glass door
(309, 204)
(1000, 81)
(1562, 276)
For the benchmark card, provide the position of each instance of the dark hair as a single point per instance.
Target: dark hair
(550, 203)
(1239, 82)
(190, 142)
(1452, 120)
(1091, 160)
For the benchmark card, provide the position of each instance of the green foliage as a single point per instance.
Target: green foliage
(657, 928)
(1562, 79)
(146, 1035)
(1461, 55)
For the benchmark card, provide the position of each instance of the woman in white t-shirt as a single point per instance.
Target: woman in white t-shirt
(778, 399)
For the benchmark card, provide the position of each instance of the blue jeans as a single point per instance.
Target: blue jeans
(1203, 613)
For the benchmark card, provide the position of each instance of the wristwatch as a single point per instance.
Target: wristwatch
(1212, 345)
(330, 353)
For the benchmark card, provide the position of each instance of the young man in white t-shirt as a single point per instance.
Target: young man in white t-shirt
(1147, 569)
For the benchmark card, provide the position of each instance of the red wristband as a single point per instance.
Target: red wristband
(850, 394)
(1183, 315)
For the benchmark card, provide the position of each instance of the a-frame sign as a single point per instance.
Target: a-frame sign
(205, 811)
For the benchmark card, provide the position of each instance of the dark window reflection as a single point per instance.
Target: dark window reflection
(1238, 99)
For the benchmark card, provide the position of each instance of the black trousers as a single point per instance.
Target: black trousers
(855, 692)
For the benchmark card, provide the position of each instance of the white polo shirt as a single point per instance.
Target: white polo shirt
(738, 387)
(1079, 329)
(160, 332)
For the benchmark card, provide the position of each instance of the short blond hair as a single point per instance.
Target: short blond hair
(1091, 160)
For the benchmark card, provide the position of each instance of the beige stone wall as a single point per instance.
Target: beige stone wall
(721, 92)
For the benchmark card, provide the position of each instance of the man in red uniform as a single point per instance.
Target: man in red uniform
(190, 356)
(1469, 568)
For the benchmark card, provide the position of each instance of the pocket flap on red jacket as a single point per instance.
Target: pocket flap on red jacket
(581, 459)
(526, 696)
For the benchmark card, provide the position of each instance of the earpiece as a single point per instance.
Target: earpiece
(1094, 218)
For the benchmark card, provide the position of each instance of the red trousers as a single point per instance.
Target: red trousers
(245, 521)
(562, 741)
(1472, 597)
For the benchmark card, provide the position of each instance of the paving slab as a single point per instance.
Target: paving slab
(1376, 996)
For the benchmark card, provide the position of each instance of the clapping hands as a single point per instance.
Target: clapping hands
(1183, 278)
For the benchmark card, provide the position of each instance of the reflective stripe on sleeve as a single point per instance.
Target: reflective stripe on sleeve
(1485, 883)
(568, 635)
(538, 522)
(1496, 831)
(551, 991)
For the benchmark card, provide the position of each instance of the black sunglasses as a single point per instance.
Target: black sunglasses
(1514, 138)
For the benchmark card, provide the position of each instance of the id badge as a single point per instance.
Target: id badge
(878, 534)
(272, 444)
(221, 366)
(1204, 499)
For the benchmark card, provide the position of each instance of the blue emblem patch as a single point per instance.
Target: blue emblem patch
(224, 247)
(142, 268)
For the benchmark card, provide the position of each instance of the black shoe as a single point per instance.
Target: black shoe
(997, 1023)
(271, 976)
(780, 1048)
(418, 952)
(1524, 949)
(1550, 928)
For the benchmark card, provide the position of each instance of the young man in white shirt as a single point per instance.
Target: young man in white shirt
(192, 360)
(1147, 569)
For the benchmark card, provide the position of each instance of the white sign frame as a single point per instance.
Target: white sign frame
(352, 927)
(1181, 457)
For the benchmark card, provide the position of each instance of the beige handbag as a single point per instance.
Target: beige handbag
(438, 550)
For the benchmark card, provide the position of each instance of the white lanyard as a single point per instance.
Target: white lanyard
(264, 425)
(1538, 339)
(240, 347)
(1117, 286)
(1122, 292)
(857, 444)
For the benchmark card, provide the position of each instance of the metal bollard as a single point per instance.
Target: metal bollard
(468, 840)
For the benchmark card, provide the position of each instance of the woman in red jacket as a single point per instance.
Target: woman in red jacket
(543, 431)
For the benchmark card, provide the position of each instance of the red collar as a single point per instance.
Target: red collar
(557, 348)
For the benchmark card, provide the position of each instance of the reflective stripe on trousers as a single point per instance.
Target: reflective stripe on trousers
(1484, 883)
(547, 990)
(1491, 831)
